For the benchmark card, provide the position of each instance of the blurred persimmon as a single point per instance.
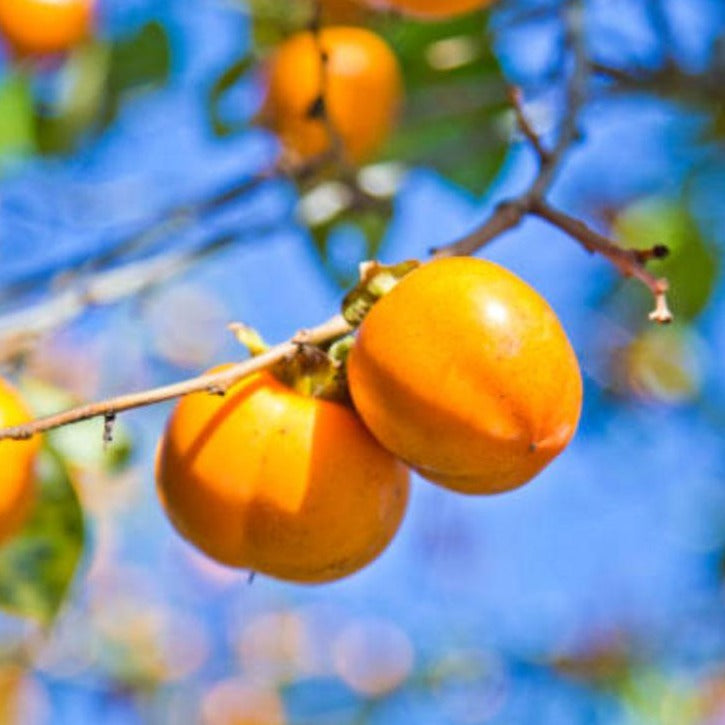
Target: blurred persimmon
(434, 9)
(465, 373)
(17, 464)
(41, 27)
(272, 480)
(354, 94)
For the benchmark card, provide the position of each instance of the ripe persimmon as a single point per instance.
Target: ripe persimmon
(438, 9)
(17, 464)
(41, 27)
(465, 373)
(362, 88)
(286, 484)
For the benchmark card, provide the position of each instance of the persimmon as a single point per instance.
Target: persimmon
(465, 373)
(17, 464)
(282, 483)
(41, 27)
(436, 9)
(362, 92)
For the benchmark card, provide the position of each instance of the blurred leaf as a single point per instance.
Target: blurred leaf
(38, 565)
(17, 135)
(652, 697)
(692, 265)
(96, 78)
(224, 83)
(84, 80)
(455, 114)
(662, 363)
(274, 20)
(349, 234)
(81, 444)
(141, 60)
(376, 280)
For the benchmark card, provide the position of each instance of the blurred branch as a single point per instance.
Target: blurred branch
(174, 219)
(669, 82)
(510, 213)
(216, 383)
(20, 330)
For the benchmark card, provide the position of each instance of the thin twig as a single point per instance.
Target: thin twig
(516, 99)
(629, 262)
(333, 329)
(509, 214)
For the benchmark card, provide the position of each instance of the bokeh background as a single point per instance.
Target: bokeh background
(592, 595)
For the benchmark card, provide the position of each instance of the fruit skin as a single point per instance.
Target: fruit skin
(431, 9)
(465, 373)
(45, 27)
(363, 90)
(17, 463)
(285, 484)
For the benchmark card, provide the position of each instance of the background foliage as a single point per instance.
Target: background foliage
(136, 221)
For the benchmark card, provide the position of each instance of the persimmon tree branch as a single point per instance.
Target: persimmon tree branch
(173, 219)
(630, 262)
(532, 202)
(215, 383)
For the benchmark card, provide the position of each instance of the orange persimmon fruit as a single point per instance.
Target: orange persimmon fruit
(362, 92)
(282, 483)
(17, 464)
(465, 373)
(431, 9)
(44, 27)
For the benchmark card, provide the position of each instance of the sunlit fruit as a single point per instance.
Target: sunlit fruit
(17, 464)
(465, 373)
(353, 97)
(430, 8)
(269, 479)
(42, 27)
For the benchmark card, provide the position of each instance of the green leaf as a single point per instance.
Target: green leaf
(692, 265)
(348, 229)
(84, 79)
(376, 280)
(455, 116)
(274, 20)
(38, 565)
(17, 134)
(142, 60)
(229, 77)
(80, 445)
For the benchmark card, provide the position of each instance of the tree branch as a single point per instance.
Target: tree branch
(216, 383)
(19, 330)
(510, 213)
(630, 262)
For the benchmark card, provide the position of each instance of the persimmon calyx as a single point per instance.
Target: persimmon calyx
(249, 338)
(376, 280)
(310, 370)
